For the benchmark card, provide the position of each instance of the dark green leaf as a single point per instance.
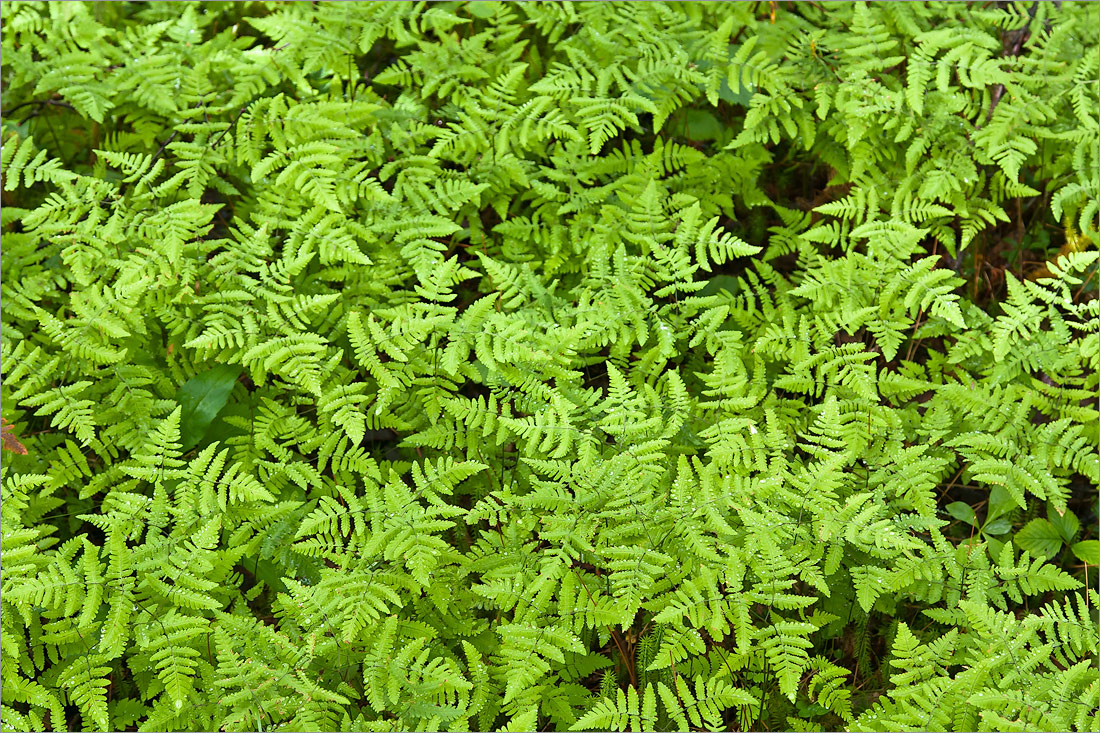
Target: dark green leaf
(202, 397)
(1000, 502)
(962, 512)
(702, 125)
(1066, 524)
(719, 283)
(267, 571)
(997, 526)
(743, 96)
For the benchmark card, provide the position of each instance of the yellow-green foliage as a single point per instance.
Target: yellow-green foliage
(549, 366)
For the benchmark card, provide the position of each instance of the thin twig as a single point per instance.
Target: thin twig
(232, 124)
(163, 146)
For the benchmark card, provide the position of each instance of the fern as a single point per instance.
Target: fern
(549, 366)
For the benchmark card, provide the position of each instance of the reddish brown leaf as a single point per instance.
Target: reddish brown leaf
(8, 439)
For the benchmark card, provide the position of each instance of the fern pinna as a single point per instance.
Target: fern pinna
(549, 366)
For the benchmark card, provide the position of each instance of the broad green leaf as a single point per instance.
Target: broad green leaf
(962, 512)
(202, 397)
(1000, 503)
(483, 8)
(268, 571)
(1040, 538)
(219, 430)
(1066, 524)
(718, 283)
(1087, 551)
(702, 125)
(744, 95)
(997, 527)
